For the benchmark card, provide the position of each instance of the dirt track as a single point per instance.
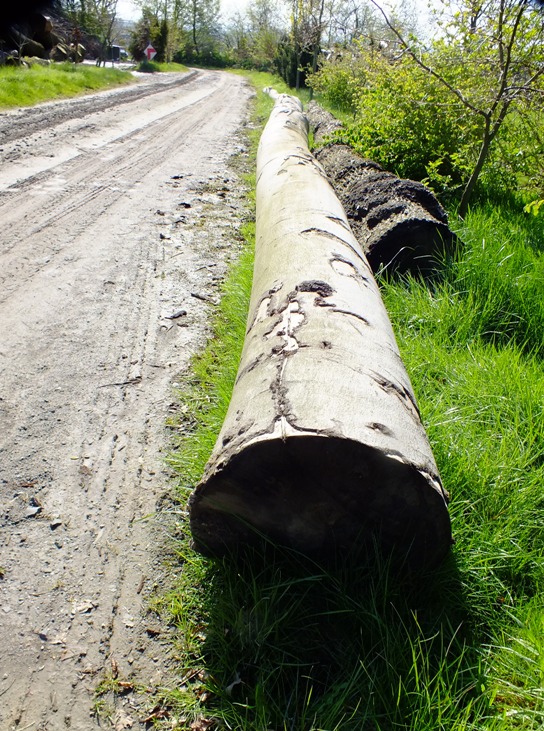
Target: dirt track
(117, 211)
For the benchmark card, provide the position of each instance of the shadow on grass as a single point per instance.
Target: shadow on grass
(295, 645)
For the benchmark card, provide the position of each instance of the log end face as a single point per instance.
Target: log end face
(321, 496)
(412, 245)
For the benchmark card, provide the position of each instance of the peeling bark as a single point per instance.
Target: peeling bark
(322, 446)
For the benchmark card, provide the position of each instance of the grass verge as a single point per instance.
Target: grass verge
(23, 86)
(274, 642)
(151, 67)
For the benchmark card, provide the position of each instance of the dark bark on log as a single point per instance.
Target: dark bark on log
(399, 223)
(322, 447)
(322, 123)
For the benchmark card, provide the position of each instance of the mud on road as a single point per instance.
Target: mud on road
(119, 213)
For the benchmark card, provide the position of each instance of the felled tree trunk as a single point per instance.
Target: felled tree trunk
(322, 446)
(399, 223)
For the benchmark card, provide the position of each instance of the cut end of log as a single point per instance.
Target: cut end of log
(415, 246)
(321, 496)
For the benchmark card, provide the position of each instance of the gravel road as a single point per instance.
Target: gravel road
(119, 211)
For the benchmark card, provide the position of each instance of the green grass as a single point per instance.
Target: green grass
(154, 66)
(273, 641)
(22, 86)
(207, 396)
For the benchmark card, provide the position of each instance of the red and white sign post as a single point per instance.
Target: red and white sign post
(150, 52)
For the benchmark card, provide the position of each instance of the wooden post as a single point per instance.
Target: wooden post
(322, 445)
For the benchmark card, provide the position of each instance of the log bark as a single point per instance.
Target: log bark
(322, 446)
(399, 223)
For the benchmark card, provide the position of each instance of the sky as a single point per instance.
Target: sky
(128, 10)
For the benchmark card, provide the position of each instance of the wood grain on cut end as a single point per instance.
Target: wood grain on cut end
(321, 495)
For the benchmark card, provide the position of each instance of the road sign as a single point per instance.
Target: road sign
(150, 52)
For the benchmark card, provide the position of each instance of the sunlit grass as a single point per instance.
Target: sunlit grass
(207, 395)
(155, 66)
(22, 86)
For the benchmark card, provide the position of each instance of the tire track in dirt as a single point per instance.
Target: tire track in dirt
(89, 130)
(92, 179)
(87, 359)
(19, 124)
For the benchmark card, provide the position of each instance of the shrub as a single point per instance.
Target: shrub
(338, 81)
(404, 122)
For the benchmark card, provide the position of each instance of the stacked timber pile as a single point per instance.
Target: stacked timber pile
(399, 223)
(322, 447)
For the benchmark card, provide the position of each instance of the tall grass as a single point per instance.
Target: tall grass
(271, 641)
(22, 86)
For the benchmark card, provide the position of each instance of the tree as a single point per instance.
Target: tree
(238, 41)
(145, 31)
(489, 62)
(350, 20)
(358, 42)
(159, 25)
(184, 30)
(103, 14)
(334, 23)
(253, 36)
(265, 28)
(307, 23)
(203, 18)
(97, 17)
(298, 51)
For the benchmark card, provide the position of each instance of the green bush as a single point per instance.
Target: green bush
(404, 121)
(427, 120)
(338, 81)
